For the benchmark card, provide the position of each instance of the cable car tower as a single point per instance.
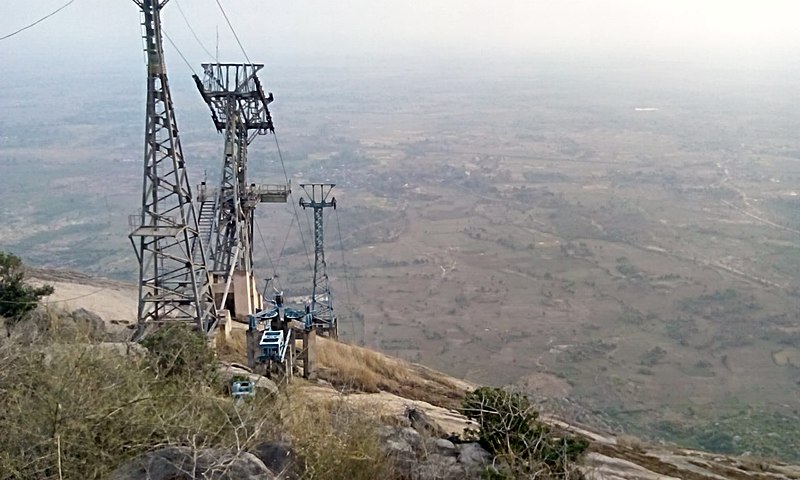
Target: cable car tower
(239, 109)
(321, 298)
(174, 284)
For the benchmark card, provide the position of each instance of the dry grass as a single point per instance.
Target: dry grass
(355, 369)
(233, 349)
(74, 411)
(334, 439)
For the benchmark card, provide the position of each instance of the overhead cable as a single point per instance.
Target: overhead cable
(179, 52)
(189, 25)
(346, 276)
(233, 31)
(269, 257)
(62, 7)
(294, 204)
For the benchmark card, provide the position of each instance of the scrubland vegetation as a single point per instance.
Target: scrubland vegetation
(72, 407)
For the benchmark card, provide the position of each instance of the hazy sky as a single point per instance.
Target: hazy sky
(98, 31)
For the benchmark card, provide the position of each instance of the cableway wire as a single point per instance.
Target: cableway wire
(285, 240)
(346, 276)
(266, 249)
(194, 34)
(178, 50)
(294, 204)
(62, 7)
(11, 302)
(230, 25)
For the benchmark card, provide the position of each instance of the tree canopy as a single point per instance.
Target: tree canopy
(17, 297)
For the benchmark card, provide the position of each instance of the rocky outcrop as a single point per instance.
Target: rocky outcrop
(619, 462)
(421, 457)
(280, 458)
(184, 463)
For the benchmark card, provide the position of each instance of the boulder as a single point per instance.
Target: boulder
(439, 467)
(422, 423)
(473, 457)
(411, 437)
(184, 463)
(401, 444)
(89, 322)
(228, 371)
(280, 458)
(445, 447)
(419, 458)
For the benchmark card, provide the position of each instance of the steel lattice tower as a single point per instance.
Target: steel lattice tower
(239, 109)
(321, 298)
(174, 284)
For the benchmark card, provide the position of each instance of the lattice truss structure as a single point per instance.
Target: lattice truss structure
(321, 297)
(239, 109)
(174, 284)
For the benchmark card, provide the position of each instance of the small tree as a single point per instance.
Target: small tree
(510, 430)
(17, 298)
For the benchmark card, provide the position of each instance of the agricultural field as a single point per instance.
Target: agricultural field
(620, 242)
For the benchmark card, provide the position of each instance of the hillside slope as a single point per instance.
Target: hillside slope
(386, 387)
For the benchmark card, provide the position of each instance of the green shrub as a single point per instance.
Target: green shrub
(178, 350)
(17, 298)
(510, 430)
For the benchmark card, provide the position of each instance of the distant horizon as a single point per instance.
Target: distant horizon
(740, 35)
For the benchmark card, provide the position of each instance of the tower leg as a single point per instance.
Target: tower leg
(310, 354)
(251, 340)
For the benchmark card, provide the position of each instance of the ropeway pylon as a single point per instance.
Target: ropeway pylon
(174, 284)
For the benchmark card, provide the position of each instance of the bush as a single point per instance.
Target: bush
(80, 410)
(510, 430)
(17, 298)
(178, 350)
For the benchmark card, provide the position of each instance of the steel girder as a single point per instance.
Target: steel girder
(238, 107)
(321, 297)
(174, 284)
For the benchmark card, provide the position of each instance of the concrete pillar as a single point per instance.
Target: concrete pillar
(252, 345)
(227, 326)
(242, 296)
(310, 355)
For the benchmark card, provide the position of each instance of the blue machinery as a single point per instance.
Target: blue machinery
(272, 332)
(272, 335)
(242, 388)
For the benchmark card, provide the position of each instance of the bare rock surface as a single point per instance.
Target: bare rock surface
(228, 371)
(280, 458)
(115, 302)
(184, 463)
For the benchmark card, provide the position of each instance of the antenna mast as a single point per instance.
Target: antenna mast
(174, 284)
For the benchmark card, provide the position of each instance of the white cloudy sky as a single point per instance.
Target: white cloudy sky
(105, 29)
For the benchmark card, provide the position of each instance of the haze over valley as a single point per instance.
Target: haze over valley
(616, 236)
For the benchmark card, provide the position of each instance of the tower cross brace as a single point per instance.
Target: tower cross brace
(239, 109)
(321, 298)
(174, 284)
